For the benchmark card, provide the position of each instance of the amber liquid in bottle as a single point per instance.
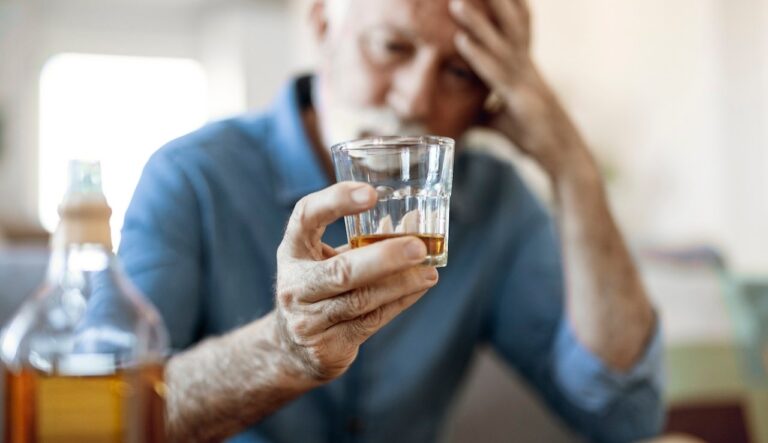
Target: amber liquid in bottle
(435, 243)
(83, 359)
(86, 409)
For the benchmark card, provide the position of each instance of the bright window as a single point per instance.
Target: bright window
(116, 109)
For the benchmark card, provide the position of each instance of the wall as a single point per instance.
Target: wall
(638, 77)
(671, 95)
(233, 39)
(43, 29)
(743, 111)
(247, 48)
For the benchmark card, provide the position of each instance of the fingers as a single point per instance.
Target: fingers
(329, 252)
(343, 248)
(484, 63)
(354, 304)
(514, 17)
(316, 211)
(477, 23)
(357, 268)
(360, 329)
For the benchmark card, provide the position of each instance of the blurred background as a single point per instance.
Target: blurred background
(672, 97)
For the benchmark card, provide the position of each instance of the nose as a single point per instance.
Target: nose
(413, 90)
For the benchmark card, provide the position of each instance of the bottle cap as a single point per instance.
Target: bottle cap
(84, 211)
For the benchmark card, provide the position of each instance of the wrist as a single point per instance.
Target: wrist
(576, 172)
(291, 366)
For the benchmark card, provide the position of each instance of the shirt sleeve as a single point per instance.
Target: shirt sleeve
(590, 383)
(161, 245)
(528, 329)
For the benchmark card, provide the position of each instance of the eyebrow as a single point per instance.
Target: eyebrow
(396, 28)
(453, 55)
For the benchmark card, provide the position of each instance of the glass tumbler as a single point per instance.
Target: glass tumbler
(413, 177)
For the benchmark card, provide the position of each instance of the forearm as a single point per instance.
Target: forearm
(606, 302)
(227, 383)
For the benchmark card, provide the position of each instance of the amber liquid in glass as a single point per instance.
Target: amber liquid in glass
(435, 243)
(128, 406)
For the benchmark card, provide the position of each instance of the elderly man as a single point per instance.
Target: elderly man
(343, 345)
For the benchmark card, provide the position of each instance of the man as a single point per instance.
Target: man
(284, 360)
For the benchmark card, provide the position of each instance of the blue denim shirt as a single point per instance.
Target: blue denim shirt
(200, 238)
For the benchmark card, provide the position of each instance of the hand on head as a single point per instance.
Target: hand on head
(496, 43)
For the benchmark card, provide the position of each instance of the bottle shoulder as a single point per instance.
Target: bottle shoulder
(95, 313)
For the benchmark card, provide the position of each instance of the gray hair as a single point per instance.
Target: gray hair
(336, 10)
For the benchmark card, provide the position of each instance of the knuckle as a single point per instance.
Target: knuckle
(314, 310)
(308, 342)
(298, 331)
(311, 285)
(295, 339)
(337, 311)
(371, 320)
(340, 271)
(299, 215)
(301, 327)
(358, 329)
(357, 300)
(285, 297)
(287, 329)
(333, 314)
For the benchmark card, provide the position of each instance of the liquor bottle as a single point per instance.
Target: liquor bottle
(84, 355)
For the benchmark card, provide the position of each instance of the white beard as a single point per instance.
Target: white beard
(340, 123)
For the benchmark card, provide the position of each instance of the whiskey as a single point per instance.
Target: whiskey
(86, 366)
(125, 407)
(435, 243)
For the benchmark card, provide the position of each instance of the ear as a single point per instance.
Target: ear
(318, 20)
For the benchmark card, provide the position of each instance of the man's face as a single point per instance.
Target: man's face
(390, 67)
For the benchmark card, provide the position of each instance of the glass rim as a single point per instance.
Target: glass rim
(392, 142)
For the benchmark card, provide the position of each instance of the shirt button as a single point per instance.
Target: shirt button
(354, 425)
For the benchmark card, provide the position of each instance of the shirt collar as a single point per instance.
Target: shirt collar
(299, 170)
(297, 165)
(464, 207)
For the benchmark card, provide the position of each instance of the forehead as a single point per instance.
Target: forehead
(427, 20)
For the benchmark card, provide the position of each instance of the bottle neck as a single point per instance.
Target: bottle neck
(70, 264)
(82, 243)
(83, 221)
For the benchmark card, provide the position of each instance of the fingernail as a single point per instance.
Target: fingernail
(456, 6)
(429, 274)
(361, 196)
(415, 250)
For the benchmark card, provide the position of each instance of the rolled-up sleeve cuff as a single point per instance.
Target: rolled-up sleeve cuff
(589, 383)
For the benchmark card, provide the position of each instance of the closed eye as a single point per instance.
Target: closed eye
(461, 75)
(398, 47)
(385, 47)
